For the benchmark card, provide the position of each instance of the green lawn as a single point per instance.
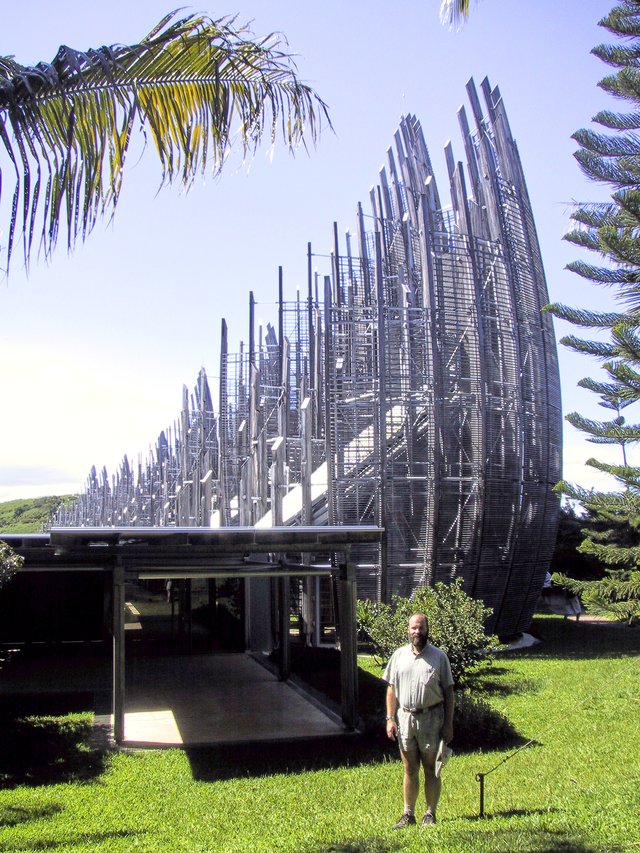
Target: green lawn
(576, 789)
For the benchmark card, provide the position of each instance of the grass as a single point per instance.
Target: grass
(577, 788)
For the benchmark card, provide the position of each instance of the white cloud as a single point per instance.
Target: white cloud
(577, 450)
(74, 413)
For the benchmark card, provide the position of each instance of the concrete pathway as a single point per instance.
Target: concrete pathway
(180, 700)
(221, 698)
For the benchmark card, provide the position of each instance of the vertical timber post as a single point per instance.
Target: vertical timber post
(348, 643)
(277, 487)
(223, 428)
(313, 390)
(118, 651)
(311, 589)
(385, 586)
(330, 433)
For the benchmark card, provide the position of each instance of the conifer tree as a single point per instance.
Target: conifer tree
(612, 230)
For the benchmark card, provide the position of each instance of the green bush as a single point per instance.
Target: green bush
(456, 625)
(10, 562)
(36, 749)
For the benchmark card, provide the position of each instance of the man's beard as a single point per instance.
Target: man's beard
(420, 642)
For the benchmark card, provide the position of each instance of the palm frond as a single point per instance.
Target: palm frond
(454, 13)
(194, 86)
(618, 121)
(618, 55)
(595, 213)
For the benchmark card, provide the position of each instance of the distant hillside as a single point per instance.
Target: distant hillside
(32, 515)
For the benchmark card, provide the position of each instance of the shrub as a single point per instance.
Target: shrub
(456, 625)
(38, 749)
(10, 562)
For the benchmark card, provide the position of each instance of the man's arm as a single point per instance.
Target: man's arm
(449, 705)
(392, 707)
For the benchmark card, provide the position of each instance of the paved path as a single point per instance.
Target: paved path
(182, 700)
(219, 698)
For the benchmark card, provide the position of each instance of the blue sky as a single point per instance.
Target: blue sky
(96, 346)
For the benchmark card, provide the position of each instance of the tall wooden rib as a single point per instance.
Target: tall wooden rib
(415, 386)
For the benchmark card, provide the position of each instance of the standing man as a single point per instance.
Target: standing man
(420, 703)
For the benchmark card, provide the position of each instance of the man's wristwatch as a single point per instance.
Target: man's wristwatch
(390, 718)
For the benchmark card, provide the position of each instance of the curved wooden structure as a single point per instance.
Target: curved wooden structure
(416, 387)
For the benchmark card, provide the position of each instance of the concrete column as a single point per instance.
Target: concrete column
(283, 611)
(118, 652)
(348, 644)
(305, 480)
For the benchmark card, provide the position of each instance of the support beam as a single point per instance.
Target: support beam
(284, 668)
(348, 644)
(118, 652)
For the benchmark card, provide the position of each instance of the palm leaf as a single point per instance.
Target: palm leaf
(193, 85)
(453, 13)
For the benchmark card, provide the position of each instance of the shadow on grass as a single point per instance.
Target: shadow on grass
(467, 833)
(581, 640)
(365, 845)
(511, 838)
(510, 813)
(488, 680)
(46, 739)
(544, 843)
(230, 761)
(98, 839)
(15, 815)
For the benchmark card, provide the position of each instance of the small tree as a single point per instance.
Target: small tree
(456, 625)
(567, 558)
(10, 562)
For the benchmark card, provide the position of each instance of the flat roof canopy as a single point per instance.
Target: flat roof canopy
(168, 552)
(188, 551)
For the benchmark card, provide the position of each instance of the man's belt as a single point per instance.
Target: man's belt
(420, 710)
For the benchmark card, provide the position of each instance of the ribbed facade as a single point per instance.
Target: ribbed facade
(416, 387)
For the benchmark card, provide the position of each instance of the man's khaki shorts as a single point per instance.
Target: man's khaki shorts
(421, 731)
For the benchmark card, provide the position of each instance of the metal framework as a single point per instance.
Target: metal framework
(416, 388)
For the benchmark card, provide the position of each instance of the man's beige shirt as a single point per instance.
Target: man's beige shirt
(419, 681)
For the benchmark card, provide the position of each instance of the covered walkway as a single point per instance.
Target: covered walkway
(210, 698)
(176, 700)
(220, 698)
